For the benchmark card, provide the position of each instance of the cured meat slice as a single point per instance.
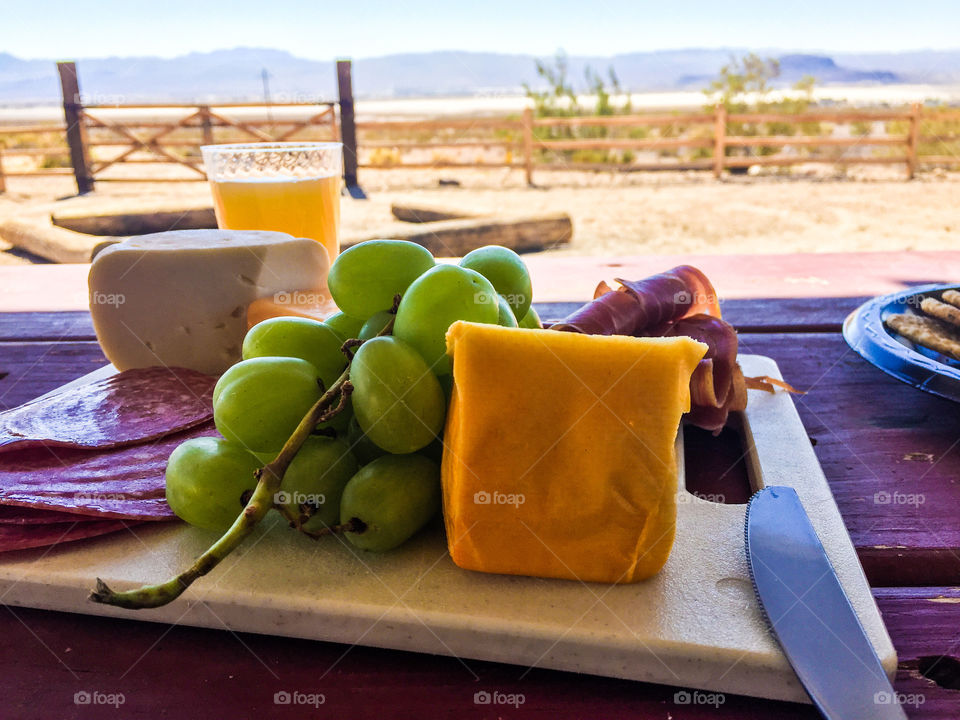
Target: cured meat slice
(18, 537)
(124, 483)
(680, 301)
(130, 407)
(717, 387)
(15, 515)
(645, 307)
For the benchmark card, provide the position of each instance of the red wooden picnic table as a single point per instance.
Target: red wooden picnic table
(874, 436)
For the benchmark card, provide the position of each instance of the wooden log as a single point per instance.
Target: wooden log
(40, 237)
(138, 222)
(455, 238)
(426, 214)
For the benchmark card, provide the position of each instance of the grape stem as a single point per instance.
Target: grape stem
(259, 504)
(261, 501)
(353, 525)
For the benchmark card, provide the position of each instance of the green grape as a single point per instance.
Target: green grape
(504, 268)
(258, 403)
(374, 324)
(316, 477)
(362, 447)
(298, 337)
(397, 400)
(343, 325)
(364, 278)
(206, 479)
(531, 320)
(507, 318)
(391, 498)
(436, 300)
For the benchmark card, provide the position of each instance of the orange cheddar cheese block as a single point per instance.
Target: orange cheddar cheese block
(559, 456)
(315, 304)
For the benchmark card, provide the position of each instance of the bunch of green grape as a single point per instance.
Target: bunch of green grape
(372, 470)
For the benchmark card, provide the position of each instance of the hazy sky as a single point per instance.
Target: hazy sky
(320, 29)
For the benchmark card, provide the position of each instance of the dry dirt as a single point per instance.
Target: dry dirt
(806, 211)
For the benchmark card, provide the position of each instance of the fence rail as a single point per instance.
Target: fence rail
(97, 138)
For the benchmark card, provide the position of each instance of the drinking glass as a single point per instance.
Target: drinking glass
(291, 187)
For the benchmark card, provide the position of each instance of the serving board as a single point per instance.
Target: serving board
(696, 624)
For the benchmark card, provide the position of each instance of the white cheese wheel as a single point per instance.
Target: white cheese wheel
(180, 298)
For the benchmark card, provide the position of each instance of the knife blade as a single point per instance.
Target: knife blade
(810, 614)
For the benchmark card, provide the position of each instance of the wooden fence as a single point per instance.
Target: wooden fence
(532, 143)
(96, 138)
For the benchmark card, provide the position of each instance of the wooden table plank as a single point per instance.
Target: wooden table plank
(30, 369)
(890, 452)
(747, 315)
(186, 671)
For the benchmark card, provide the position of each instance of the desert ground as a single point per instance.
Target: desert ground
(814, 210)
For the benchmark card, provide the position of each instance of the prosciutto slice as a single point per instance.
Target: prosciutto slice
(130, 407)
(645, 307)
(681, 301)
(122, 483)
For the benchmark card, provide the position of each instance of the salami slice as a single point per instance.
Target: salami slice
(123, 483)
(130, 407)
(15, 515)
(17, 537)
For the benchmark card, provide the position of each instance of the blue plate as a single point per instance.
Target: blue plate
(914, 364)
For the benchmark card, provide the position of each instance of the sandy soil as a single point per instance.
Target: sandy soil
(814, 210)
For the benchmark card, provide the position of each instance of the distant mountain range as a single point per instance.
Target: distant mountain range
(225, 75)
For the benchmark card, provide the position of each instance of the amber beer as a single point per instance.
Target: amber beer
(302, 208)
(286, 187)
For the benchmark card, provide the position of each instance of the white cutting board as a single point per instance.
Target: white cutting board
(695, 625)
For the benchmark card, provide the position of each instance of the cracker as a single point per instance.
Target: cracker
(941, 311)
(929, 332)
(952, 297)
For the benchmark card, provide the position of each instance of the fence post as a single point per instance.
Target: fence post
(719, 139)
(528, 144)
(206, 125)
(76, 129)
(348, 130)
(913, 139)
(3, 182)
